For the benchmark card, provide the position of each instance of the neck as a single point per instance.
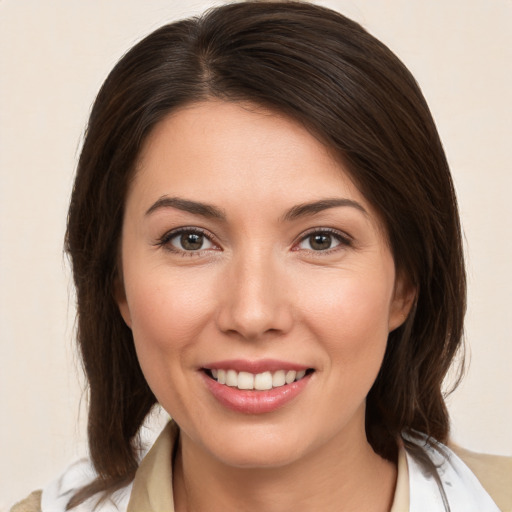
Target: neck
(341, 476)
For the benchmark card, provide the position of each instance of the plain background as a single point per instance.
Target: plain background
(55, 54)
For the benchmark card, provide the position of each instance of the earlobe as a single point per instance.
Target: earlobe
(122, 302)
(403, 299)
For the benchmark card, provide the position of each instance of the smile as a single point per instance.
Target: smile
(255, 387)
(260, 381)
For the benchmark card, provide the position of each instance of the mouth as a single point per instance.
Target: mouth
(255, 387)
(262, 381)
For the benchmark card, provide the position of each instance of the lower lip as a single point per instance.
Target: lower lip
(255, 402)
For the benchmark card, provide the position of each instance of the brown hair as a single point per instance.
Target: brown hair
(352, 92)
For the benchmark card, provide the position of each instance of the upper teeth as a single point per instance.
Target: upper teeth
(258, 381)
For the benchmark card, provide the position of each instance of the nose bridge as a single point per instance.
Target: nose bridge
(254, 294)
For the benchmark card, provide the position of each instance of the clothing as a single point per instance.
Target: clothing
(469, 483)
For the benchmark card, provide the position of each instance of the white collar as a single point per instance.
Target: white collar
(463, 491)
(57, 494)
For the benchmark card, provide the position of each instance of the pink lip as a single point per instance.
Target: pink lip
(254, 402)
(260, 366)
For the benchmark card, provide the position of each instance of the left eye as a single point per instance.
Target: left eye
(320, 241)
(190, 241)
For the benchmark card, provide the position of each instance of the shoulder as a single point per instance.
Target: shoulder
(32, 503)
(494, 473)
(56, 495)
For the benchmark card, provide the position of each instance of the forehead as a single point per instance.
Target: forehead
(238, 154)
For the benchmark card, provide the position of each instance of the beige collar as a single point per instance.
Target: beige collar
(401, 500)
(152, 491)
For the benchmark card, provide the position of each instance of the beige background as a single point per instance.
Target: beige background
(54, 55)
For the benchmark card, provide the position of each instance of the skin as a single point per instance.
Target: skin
(258, 289)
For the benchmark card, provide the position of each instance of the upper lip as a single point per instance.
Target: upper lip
(257, 366)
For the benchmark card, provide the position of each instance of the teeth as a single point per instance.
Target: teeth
(245, 380)
(279, 379)
(232, 378)
(263, 381)
(260, 381)
(290, 376)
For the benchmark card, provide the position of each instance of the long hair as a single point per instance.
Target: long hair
(326, 72)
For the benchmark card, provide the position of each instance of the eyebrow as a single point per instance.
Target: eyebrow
(306, 209)
(210, 211)
(186, 205)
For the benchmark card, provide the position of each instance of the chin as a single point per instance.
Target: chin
(260, 457)
(250, 447)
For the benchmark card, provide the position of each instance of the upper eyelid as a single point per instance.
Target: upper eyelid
(336, 232)
(186, 229)
(169, 235)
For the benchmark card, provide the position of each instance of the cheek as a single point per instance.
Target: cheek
(350, 314)
(168, 312)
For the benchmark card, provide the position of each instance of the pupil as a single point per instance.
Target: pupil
(191, 241)
(320, 242)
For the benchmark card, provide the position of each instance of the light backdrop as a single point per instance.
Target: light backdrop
(54, 56)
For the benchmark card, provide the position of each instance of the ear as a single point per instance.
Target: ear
(122, 302)
(404, 296)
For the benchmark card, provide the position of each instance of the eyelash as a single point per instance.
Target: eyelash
(343, 239)
(165, 240)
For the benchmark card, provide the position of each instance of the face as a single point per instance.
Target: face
(258, 284)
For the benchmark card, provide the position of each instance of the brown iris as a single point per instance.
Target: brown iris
(320, 241)
(191, 241)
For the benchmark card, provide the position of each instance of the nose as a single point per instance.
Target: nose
(255, 298)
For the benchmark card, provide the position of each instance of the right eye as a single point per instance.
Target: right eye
(186, 241)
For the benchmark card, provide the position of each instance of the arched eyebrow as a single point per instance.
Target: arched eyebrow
(210, 211)
(306, 209)
(186, 205)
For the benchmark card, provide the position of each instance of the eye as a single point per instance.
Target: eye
(186, 240)
(323, 240)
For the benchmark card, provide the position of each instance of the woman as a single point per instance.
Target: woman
(265, 241)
